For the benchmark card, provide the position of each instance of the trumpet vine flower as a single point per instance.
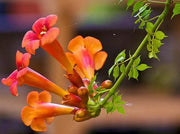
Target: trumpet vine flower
(80, 63)
(41, 111)
(86, 54)
(45, 36)
(22, 61)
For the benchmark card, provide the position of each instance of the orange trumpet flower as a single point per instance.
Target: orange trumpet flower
(40, 111)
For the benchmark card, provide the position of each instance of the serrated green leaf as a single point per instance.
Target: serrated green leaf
(149, 47)
(116, 72)
(142, 9)
(149, 27)
(121, 110)
(113, 109)
(110, 70)
(142, 67)
(129, 3)
(120, 57)
(160, 35)
(122, 68)
(137, 6)
(135, 74)
(156, 43)
(130, 74)
(141, 26)
(117, 99)
(176, 10)
(121, 103)
(137, 61)
(145, 15)
(152, 55)
(108, 106)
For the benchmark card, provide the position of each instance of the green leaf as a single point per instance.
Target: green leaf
(137, 6)
(110, 70)
(156, 43)
(122, 68)
(121, 103)
(141, 26)
(135, 74)
(160, 35)
(129, 3)
(149, 27)
(152, 55)
(176, 10)
(142, 67)
(130, 74)
(121, 110)
(137, 61)
(116, 72)
(120, 57)
(108, 106)
(149, 47)
(117, 99)
(145, 15)
(142, 9)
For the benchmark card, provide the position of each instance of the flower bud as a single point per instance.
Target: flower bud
(81, 115)
(83, 93)
(106, 84)
(72, 89)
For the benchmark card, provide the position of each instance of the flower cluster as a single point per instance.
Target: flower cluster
(80, 63)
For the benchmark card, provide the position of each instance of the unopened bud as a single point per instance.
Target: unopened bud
(72, 89)
(83, 93)
(81, 115)
(107, 84)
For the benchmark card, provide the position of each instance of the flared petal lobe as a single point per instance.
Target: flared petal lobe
(43, 33)
(87, 55)
(39, 112)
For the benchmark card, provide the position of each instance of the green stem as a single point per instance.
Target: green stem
(136, 54)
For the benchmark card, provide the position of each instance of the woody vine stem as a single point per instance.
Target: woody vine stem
(136, 53)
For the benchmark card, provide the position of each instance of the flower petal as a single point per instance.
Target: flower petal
(38, 124)
(22, 60)
(45, 97)
(51, 20)
(49, 120)
(13, 89)
(29, 36)
(25, 59)
(19, 60)
(11, 81)
(27, 115)
(32, 46)
(92, 44)
(55, 50)
(29, 77)
(76, 44)
(99, 59)
(33, 98)
(71, 58)
(38, 25)
(50, 36)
